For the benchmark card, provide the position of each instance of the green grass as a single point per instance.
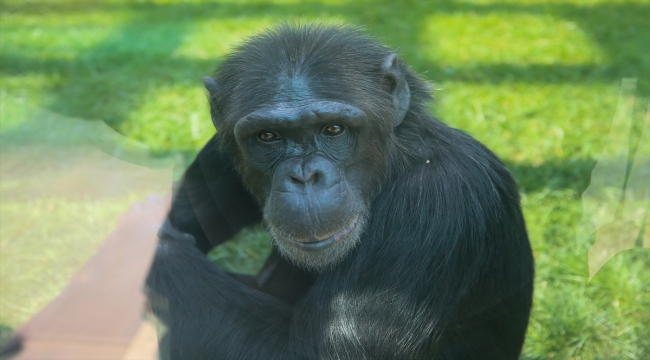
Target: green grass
(536, 81)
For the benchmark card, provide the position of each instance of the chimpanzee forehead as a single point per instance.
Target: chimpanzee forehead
(293, 88)
(293, 64)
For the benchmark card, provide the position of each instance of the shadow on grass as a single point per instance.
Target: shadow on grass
(555, 174)
(88, 87)
(5, 334)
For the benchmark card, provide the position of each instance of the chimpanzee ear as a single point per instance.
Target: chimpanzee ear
(396, 85)
(212, 87)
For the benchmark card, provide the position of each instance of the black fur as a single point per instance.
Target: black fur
(442, 269)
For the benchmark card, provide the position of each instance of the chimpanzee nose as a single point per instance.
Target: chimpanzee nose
(302, 177)
(313, 173)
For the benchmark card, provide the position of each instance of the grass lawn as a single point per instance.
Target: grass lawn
(536, 81)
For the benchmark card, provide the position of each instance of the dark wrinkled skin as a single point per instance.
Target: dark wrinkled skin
(309, 202)
(395, 236)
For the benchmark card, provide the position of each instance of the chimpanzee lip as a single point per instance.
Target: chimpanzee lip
(321, 244)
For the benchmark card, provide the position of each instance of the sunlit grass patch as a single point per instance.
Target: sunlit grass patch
(507, 116)
(507, 37)
(171, 118)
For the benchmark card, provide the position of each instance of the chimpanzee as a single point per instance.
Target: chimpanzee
(395, 236)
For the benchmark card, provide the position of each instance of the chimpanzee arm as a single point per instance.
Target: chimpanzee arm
(207, 313)
(211, 202)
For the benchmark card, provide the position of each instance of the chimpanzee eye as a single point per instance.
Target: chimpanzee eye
(268, 136)
(334, 129)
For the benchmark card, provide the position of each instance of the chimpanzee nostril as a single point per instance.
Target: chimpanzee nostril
(314, 177)
(296, 179)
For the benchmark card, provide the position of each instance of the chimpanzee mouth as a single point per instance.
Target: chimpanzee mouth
(319, 244)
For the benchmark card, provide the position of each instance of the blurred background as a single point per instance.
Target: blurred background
(539, 82)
